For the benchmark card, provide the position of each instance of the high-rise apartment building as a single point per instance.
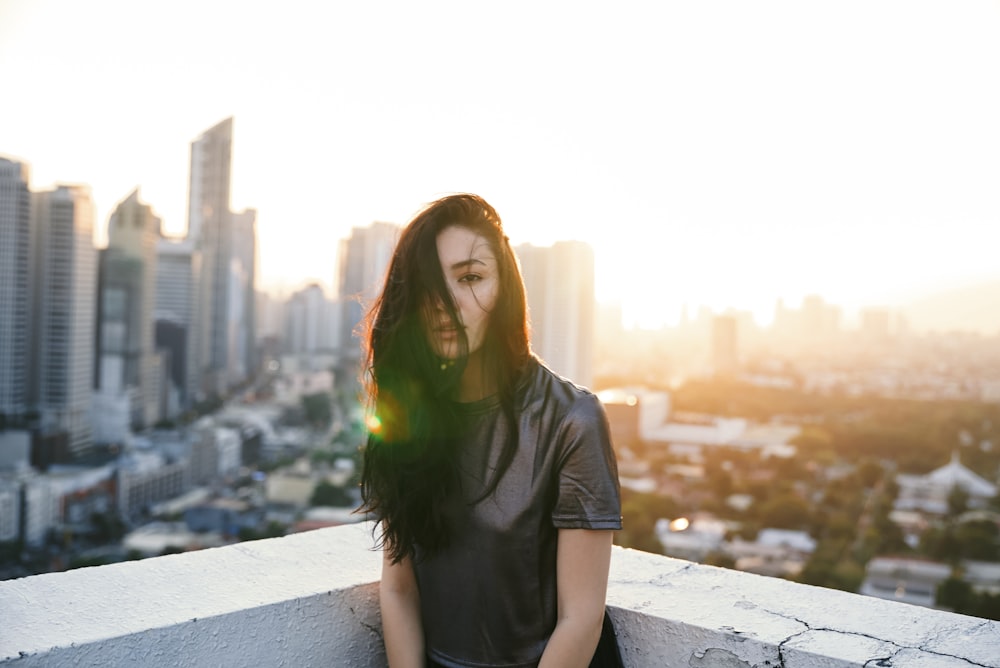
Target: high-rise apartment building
(127, 364)
(226, 241)
(15, 289)
(176, 310)
(559, 281)
(65, 267)
(364, 259)
(309, 323)
(242, 352)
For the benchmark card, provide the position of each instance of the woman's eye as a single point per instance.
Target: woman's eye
(470, 278)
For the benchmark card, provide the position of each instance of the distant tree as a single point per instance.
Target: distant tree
(869, 472)
(327, 494)
(787, 511)
(317, 408)
(955, 594)
(273, 529)
(720, 482)
(10, 552)
(988, 606)
(979, 540)
(108, 527)
(828, 568)
(888, 537)
(720, 559)
(85, 562)
(639, 515)
(939, 543)
(958, 501)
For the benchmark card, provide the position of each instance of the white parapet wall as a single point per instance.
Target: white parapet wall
(309, 599)
(312, 600)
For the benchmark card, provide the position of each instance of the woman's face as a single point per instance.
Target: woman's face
(469, 268)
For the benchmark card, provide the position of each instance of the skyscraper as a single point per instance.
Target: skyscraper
(176, 310)
(309, 323)
(364, 259)
(127, 365)
(15, 295)
(227, 243)
(65, 266)
(242, 353)
(559, 280)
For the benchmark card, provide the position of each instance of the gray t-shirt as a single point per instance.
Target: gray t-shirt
(489, 598)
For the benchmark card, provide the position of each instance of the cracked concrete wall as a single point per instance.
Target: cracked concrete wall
(672, 613)
(312, 600)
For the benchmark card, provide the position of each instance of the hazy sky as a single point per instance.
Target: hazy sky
(717, 153)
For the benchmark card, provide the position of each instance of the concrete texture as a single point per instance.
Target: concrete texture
(312, 600)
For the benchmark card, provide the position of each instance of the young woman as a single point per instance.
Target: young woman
(494, 479)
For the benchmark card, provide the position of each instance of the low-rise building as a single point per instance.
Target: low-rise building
(906, 580)
(929, 493)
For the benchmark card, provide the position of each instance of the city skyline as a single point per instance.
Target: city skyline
(716, 155)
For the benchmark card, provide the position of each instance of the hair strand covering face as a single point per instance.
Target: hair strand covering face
(415, 427)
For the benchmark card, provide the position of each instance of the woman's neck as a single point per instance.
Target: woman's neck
(476, 382)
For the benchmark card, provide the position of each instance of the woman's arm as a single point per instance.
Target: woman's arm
(583, 557)
(399, 600)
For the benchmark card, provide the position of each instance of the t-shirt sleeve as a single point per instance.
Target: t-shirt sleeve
(588, 495)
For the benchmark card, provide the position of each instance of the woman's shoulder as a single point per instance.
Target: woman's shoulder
(540, 384)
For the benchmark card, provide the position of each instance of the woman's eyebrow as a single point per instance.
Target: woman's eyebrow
(466, 263)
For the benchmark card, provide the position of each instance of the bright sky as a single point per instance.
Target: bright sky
(716, 153)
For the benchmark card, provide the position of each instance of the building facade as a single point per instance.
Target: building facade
(364, 259)
(15, 290)
(224, 325)
(176, 312)
(559, 281)
(309, 323)
(65, 267)
(127, 363)
(210, 229)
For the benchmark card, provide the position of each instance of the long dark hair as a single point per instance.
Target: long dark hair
(410, 460)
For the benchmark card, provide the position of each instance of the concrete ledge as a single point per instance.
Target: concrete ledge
(309, 599)
(312, 600)
(670, 612)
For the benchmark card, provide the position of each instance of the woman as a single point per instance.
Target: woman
(493, 479)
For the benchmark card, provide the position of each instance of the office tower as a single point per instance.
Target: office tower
(309, 324)
(559, 280)
(269, 312)
(15, 295)
(224, 323)
(65, 267)
(127, 364)
(364, 259)
(243, 329)
(210, 229)
(725, 358)
(176, 310)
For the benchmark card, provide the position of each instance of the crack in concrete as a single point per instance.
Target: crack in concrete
(374, 630)
(881, 662)
(253, 554)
